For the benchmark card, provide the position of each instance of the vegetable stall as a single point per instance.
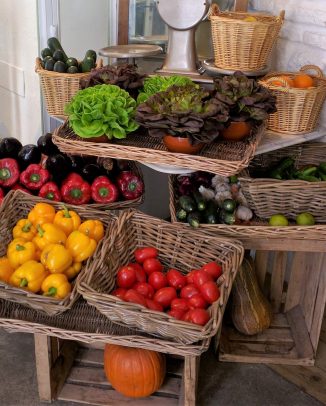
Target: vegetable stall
(240, 264)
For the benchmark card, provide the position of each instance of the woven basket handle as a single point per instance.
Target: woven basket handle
(318, 71)
(282, 15)
(276, 78)
(214, 11)
(38, 65)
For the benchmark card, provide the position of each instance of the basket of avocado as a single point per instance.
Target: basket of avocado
(60, 75)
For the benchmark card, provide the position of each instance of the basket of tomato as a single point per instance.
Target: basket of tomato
(163, 279)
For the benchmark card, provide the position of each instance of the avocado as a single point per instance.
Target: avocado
(46, 52)
(72, 62)
(72, 69)
(49, 64)
(58, 55)
(59, 66)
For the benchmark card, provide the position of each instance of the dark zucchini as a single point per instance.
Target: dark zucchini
(229, 205)
(181, 214)
(91, 53)
(87, 64)
(72, 69)
(10, 147)
(46, 52)
(201, 203)
(29, 154)
(58, 55)
(187, 203)
(46, 145)
(60, 67)
(211, 213)
(226, 217)
(194, 219)
(49, 64)
(72, 62)
(54, 45)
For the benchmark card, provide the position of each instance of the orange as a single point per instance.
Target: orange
(288, 80)
(303, 81)
(280, 83)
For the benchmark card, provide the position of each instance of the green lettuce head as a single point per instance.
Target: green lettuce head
(102, 109)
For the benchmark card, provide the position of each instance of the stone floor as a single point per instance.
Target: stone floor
(220, 384)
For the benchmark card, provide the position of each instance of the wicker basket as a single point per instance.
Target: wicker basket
(179, 248)
(298, 110)
(59, 88)
(243, 45)
(15, 206)
(223, 157)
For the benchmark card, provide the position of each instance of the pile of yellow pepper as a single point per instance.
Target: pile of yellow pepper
(48, 249)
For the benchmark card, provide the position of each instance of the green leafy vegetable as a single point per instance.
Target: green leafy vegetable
(157, 84)
(102, 109)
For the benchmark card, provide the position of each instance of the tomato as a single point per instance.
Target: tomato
(126, 277)
(152, 265)
(176, 279)
(197, 302)
(186, 316)
(158, 280)
(176, 313)
(154, 305)
(201, 277)
(198, 316)
(140, 273)
(144, 253)
(135, 297)
(165, 296)
(188, 291)
(145, 289)
(190, 276)
(214, 269)
(210, 291)
(180, 304)
(120, 293)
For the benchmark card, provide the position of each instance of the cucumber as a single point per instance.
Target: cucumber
(60, 67)
(87, 64)
(49, 64)
(194, 219)
(46, 52)
(187, 203)
(181, 214)
(54, 45)
(72, 69)
(92, 54)
(58, 55)
(72, 62)
(227, 218)
(201, 204)
(229, 205)
(211, 213)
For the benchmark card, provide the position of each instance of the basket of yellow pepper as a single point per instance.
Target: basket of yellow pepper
(45, 248)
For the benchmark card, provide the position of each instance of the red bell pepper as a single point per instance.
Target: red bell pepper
(75, 190)
(130, 185)
(104, 191)
(2, 195)
(50, 191)
(34, 177)
(9, 172)
(20, 187)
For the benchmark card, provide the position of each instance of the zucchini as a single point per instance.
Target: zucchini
(211, 213)
(187, 203)
(201, 204)
(60, 67)
(87, 64)
(58, 55)
(72, 62)
(194, 219)
(229, 205)
(46, 52)
(48, 58)
(91, 53)
(54, 45)
(227, 218)
(181, 214)
(72, 69)
(49, 64)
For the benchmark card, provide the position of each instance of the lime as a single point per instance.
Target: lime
(305, 219)
(278, 220)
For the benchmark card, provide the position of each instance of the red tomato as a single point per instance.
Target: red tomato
(126, 277)
(165, 296)
(190, 276)
(135, 297)
(180, 304)
(140, 273)
(144, 253)
(120, 293)
(158, 280)
(154, 305)
(198, 316)
(186, 316)
(176, 279)
(201, 277)
(214, 269)
(176, 313)
(152, 265)
(210, 291)
(197, 302)
(145, 289)
(188, 291)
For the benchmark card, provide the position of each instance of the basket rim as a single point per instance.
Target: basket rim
(63, 75)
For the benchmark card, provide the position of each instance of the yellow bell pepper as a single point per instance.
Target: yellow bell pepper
(56, 286)
(80, 246)
(6, 270)
(41, 213)
(56, 258)
(38, 254)
(29, 276)
(20, 251)
(93, 229)
(24, 229)
(49, 234)
(73, 270)
(67, 220)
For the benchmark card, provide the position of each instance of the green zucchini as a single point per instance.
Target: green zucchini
(49, 64)
(181, 214)
(54, 45)
(229, 205)
(227, 218)
(60, 67)
(58, 55)
(92, 54)
(72, 62)
(194, 219)
(46, 52)
(72, 69)
(187, 203)
(201, 203)
(211, 213)
(87, 64)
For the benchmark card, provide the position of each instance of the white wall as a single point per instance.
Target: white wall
(20, 112)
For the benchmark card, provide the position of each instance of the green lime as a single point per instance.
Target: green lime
(278, 220)
(305, 219)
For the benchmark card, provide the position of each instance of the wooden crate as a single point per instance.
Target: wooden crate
(295, 284)
(74, 372)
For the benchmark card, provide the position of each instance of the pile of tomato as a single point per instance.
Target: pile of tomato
(184, 297)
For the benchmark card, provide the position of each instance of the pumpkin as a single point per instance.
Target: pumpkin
(251, 312)
(134, 372)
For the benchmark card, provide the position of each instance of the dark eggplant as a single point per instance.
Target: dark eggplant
(46, 145)
(91, 171)
(10, 147)
(77, 163)
(59, 166)
(29, 154)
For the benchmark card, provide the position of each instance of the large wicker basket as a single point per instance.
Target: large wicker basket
(59, 88)
(16, 206)
(179, 248)
(243, 45)
(289, 197)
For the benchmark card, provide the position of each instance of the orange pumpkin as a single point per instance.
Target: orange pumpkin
(134, 372)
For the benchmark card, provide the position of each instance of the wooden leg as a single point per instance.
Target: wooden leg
(43, 366)
(190, 380)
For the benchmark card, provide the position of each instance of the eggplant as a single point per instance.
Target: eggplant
(77, 163)
(29, 154)
(91, 171)
(59, 166)
(10, 147)
(46, 145)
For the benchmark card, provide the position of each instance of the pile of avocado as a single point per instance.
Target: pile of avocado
(55, 59)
